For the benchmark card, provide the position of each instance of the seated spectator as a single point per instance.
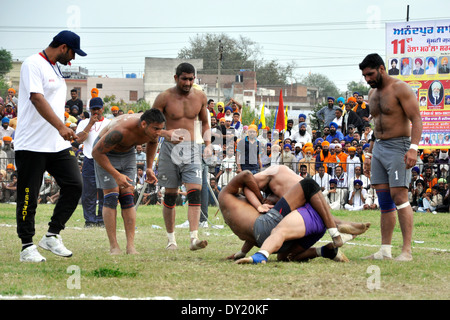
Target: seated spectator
(371, 199)
(10, 191)
(322, 178)
(286, 156)
(5, 129)
(48, 189)
(358, 176)
(309, 161)
(216, 189)
(335, 197)
(357, 197)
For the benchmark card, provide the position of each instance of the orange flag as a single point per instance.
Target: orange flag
(279, 122)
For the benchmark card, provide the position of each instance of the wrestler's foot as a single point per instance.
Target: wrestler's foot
(254, 259)
(354, 228)
(197, 244)
(404, 256)
(114, 251)
(132, 250)
(377, 256)
(337, 241)
(172, 246)
(340, 257)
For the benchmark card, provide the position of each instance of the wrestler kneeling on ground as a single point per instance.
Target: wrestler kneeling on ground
(290, 238)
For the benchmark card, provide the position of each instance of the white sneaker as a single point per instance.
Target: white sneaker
(31, 254)
(203, 224)
(184, 225)
(55, 245)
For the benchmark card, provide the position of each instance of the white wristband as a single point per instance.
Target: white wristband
(414, 146)
(333, 232)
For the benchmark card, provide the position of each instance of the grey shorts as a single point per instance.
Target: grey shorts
(179, 163)
(124, 162)
(388, 162)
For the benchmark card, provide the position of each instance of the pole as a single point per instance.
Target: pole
(219, 68)
(407, 12)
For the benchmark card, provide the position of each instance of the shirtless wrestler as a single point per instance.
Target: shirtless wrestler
(115, 168)
(398, 129)
(180, 155)
(253, 227)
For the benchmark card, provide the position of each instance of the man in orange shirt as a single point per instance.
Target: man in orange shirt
(325, 156)
(341, 157)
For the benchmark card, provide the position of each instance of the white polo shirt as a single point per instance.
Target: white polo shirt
(88, 144)
(33, 132)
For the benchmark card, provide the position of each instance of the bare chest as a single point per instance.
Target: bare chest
(182, 108)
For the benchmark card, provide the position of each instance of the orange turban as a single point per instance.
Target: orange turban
(7, 138)
(12, 90)
(94, 93)
(10, 166)
(310, 149)
(130, 111)
(325, 143)
(115, 108)
(351, 99)
(429, 190)
(66, 114)
(351, 149)
(252, 126)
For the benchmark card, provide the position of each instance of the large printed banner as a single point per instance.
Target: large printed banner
(418, 53)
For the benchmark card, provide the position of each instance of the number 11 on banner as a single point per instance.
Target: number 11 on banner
(396, 44)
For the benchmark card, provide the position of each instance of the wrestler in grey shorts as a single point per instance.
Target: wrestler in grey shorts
(179, 163)
(388, 162)
(124, 162)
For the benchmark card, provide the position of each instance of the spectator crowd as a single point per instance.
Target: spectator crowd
(332, 156)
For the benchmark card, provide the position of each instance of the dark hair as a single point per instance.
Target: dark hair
(74, 90)
(153, 115)
(373, 61)
(184, 67)
(209, 101)
(55, 44)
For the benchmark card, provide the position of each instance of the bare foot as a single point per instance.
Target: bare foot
(132, 250)
(197, 244)
(171, 246)
(248, 260)
(404, 256)
(353, 228)
(340, 257)
(114, 251)
(377, 256)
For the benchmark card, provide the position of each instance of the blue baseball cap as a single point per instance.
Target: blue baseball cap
(71, 39)
(96, 103)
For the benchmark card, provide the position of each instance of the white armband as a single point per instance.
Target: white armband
(414, 146)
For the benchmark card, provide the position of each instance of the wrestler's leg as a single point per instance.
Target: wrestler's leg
(194, 207)
(291, 227)
(129, 218)
(169, 200)
(109, 218)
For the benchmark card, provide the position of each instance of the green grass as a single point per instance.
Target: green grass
(206, 274)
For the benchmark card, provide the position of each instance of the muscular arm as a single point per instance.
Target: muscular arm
(243, 180)
(410, 106)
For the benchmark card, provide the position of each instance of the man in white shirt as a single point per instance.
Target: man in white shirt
(322, 178)
(301, 136)
(356, 198)
(42, 143)
(87, 131)
(5, 129)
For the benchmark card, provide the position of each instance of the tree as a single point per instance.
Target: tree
(5, 67)
(360, 87)
(326, 86)
(237, 53)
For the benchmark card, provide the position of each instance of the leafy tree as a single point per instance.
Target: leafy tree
(326, 86)
(359, 87)
(5, 67)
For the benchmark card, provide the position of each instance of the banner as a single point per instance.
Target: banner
(418, 53)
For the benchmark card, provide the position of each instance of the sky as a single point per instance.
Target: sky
(323, 36)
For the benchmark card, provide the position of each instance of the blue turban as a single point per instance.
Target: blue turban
(332, 98)
(334, 124)
(302, 124)
(357, 181)
(302, 115)
(333, 181)
(416, 169)
(5, 120)
(366, 145)
(318, 140)
(287, 145)
(341, 99)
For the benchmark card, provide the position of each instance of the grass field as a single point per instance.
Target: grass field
(92, 273)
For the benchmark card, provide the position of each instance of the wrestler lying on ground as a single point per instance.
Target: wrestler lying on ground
(253, 227)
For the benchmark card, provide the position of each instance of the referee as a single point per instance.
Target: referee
(42, 143)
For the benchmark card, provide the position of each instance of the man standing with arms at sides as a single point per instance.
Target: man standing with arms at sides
(180, 156)
(394, 108)
(75, 101)
(115, 168)
(42, 143)
(87, 131)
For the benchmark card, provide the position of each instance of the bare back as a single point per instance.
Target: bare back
(127, 127)
(391, 107)
(182, 110)
(279, 179)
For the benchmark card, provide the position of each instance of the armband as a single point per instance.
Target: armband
(414, 146)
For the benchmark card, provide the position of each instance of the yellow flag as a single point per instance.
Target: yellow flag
(262, 119)
(285, 118)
